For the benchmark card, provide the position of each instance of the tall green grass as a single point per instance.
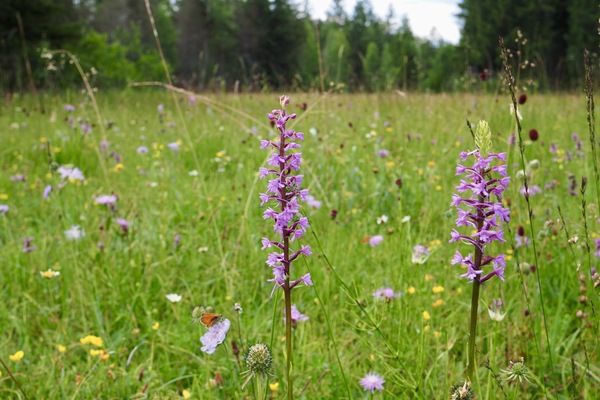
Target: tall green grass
(119, 293)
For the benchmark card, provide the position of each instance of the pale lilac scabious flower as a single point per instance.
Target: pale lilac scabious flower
(142, 150)
(124, 224)
(104, 145)
(481, 210)
(384, 153)
(386, 293)
(596, 241)
(173, 146)
(86, 128)
(47, 191)
(521, 241)
(27, 246)
(312, 202)
(284, 192)
(3, 209)
(420, 254)
(215, 335)
(106, 199)
(375, 240)
(70, 173)
(74, 233)
(372, 382)
(69, 107)
(533, 190)
(192, 100)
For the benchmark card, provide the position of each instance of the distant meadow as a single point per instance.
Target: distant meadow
(127, 227)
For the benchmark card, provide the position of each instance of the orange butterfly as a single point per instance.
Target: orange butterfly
(209, 319)
(205, 316)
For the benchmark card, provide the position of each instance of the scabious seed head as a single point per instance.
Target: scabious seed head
(517, 371)
(462, 391)
(258, 359)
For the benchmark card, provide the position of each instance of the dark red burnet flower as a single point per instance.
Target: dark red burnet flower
(522, 98)
(304, 106)
(534, 135)
(483, 76)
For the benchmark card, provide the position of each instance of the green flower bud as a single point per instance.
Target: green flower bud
(533, 165)
(483, 138)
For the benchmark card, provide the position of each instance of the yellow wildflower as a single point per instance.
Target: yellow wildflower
(186, 394)
(438, 303)
(437, 289)
(17, 356)
(155, 326)
(426, 316)
(274, 386)
(93, 340)
(61, 348)
(411, 290)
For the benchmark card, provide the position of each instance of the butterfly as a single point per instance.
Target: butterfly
(209, 319)
(205, 316)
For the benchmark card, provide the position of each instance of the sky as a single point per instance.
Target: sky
(423, 15)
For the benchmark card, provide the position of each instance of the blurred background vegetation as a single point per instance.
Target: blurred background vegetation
(262, 45)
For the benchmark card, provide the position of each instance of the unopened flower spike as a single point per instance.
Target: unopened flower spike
(483, 138)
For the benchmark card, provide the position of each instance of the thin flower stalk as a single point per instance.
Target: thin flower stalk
(289, 224)
(479, 206)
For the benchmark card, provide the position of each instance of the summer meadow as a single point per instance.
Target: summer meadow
(251, 200)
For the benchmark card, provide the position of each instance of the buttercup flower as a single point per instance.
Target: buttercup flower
(93, 340)
(372, 382)
(18, 356)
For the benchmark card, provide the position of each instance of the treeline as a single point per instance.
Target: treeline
(266, 44)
